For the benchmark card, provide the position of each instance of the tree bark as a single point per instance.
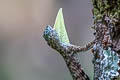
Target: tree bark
(105, 47)
(68, 52)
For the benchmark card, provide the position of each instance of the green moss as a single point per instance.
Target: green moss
(110, 8)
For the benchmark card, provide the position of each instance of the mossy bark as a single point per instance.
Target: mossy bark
(105, 47)
(106, 14)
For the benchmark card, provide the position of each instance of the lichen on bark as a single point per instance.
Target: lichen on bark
(105, 47)
(68, 52)
(107, 31)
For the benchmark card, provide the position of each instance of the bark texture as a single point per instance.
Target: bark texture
(105, 47)
(68, 52)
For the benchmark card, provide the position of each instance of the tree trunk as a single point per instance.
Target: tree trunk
(107, 34)
(105, 47)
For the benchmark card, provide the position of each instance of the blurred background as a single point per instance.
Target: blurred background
(24, 54)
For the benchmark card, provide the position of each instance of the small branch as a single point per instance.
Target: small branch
(84, 48)
(51, 36)
(68, 52)
(52, 39)
(105, 47)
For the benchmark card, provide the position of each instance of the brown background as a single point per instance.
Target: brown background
(24, 54)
